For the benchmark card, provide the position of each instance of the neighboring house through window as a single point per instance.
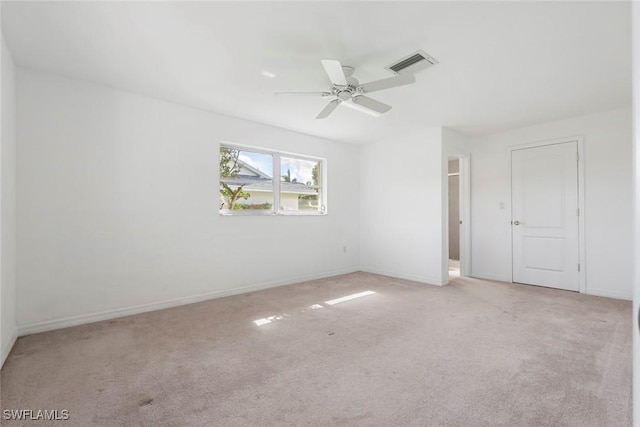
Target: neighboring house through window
(247, 185)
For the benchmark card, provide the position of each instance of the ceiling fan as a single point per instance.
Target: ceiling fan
(347, 90)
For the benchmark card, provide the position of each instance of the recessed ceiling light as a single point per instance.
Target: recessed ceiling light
(268, 74)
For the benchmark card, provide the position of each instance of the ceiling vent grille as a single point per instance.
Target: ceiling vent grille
(413, 63)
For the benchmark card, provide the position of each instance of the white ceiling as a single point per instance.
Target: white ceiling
(502, 64)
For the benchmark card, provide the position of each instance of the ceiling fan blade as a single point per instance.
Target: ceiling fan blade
(328, 109)
(334, 71)
(305, 93)
(399, 80)
(372, 104)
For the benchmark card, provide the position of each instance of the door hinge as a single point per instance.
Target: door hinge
(578, 267)
(578, 156)
(578, 212)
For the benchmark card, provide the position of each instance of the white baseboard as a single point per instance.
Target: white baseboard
(594, 292)
(609, 294)
(421, 279)
(7, 348)
(49, 325)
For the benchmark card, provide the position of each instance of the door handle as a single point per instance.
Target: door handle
(515, 222)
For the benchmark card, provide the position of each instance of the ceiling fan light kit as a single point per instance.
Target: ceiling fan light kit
(347, 90)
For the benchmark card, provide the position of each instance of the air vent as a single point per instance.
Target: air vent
(413, 63)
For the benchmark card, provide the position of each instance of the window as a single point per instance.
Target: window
(248, 187)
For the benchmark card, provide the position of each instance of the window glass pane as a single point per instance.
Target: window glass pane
(300, 184)
(246, 180)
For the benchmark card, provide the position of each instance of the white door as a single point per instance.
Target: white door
(544, 216)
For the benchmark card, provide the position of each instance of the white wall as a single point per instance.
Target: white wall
(401, 206)
(455, 144)
(7, 205)
(636, 192)
(118, 206)
(608, 199)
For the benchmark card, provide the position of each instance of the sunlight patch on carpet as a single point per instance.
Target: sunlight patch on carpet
(349, 297)
(270, 319)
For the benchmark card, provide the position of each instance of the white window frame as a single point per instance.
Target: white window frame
(275, 210)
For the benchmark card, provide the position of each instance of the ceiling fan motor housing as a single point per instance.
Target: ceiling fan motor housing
(345, 93)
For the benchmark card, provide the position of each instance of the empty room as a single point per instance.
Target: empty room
(318, 213)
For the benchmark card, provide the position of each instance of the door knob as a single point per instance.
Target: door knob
(515, 222)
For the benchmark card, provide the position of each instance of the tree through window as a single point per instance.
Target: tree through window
(247, 185)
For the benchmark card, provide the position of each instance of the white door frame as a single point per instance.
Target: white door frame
(582, 283)
(465, 214)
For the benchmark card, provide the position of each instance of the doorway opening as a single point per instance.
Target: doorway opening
(458, 237)
(454, 218)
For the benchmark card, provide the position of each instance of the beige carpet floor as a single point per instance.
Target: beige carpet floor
(474, 353)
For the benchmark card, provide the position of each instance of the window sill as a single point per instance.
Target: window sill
(227, 213)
